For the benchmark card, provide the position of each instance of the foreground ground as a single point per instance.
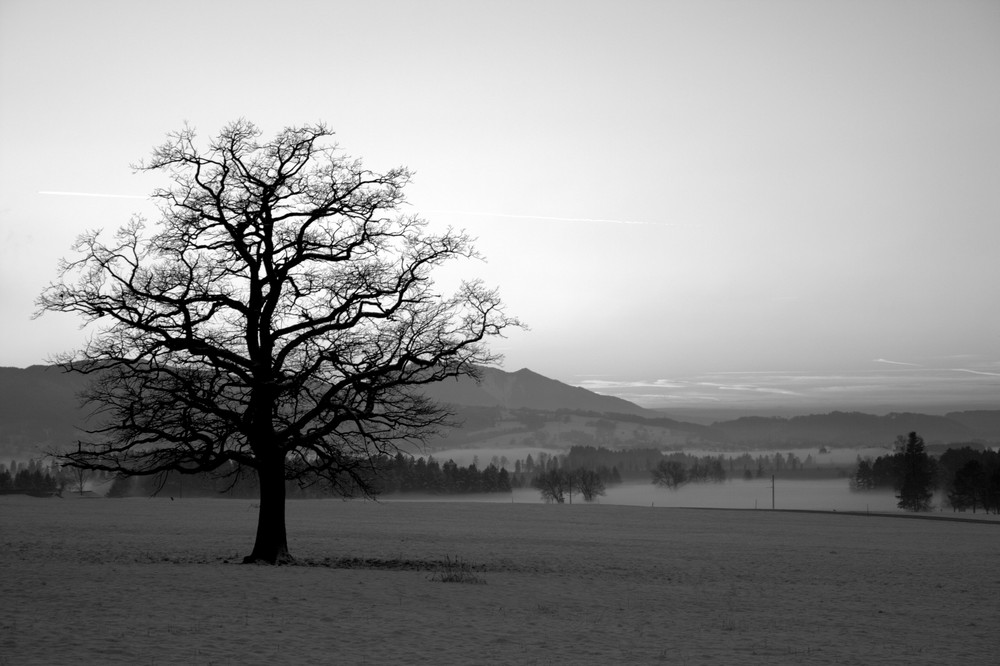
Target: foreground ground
(154, 581)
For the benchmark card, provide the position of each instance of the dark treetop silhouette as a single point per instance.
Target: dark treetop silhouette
(279, 318)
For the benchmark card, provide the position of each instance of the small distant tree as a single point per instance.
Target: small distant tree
(885, 472)
(669, 474)
(915, 486)
(590, 483)
(503, 481)
(80, 478)
(967, 486)
(713, 470)
(553, 485)
(863, 478)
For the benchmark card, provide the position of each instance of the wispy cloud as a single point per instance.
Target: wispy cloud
(754, 389)
(92, 194)
(553, 218)
(757, 372)
(885, 360)
(598, 384)
(976, 372)
(898, 384)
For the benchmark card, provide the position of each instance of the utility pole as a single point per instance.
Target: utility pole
(772, 492)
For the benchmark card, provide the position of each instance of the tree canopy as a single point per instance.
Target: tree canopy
(279, 317)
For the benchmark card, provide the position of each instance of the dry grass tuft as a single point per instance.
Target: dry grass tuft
(457, 571)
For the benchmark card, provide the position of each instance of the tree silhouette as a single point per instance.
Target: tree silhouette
(863, 478)
(553, 485)
(972, 478)
(966, 486)
(279, 318)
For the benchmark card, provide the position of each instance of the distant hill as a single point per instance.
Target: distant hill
(982, 422)
(39, 410)
(525, 389)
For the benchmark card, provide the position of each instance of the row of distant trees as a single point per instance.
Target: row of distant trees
(672, 472)
(973, 479)
(404, 474)
(39, 476)
(969, 477)
(583, 470)
(639, 463)
(557, 485)
(588, 470)
(386, 475)
(25, 480)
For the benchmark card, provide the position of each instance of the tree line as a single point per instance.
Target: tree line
(387, 475)
(41, 477)
(588, 470)
(404, 474)
(970, 477)
(24, 480)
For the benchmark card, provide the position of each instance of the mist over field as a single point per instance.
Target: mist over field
(736, 493)
(816, 495)
(833, 457)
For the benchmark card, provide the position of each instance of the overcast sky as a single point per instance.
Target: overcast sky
(688, 202)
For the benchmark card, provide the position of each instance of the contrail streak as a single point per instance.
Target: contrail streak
(92, 194)
(977, 372)
(554, 219)
(449, 212)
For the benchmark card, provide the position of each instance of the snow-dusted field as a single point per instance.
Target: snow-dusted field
(153, 581)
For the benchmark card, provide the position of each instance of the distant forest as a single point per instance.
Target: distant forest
(969, 477)
(408, 474)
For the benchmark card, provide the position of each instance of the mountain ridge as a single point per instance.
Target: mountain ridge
(39, 410)
(526, 389)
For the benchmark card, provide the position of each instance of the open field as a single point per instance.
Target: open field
(152, 581)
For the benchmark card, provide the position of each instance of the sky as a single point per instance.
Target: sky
(753, 204)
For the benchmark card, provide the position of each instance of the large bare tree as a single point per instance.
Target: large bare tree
(280, 317)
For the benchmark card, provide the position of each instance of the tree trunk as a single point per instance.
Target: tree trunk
(271, 546)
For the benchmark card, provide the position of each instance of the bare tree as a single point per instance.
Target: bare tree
(553, 485)
(590, 483)
(670, 474)
(279, 318)
(556, 484)
(80, 476)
